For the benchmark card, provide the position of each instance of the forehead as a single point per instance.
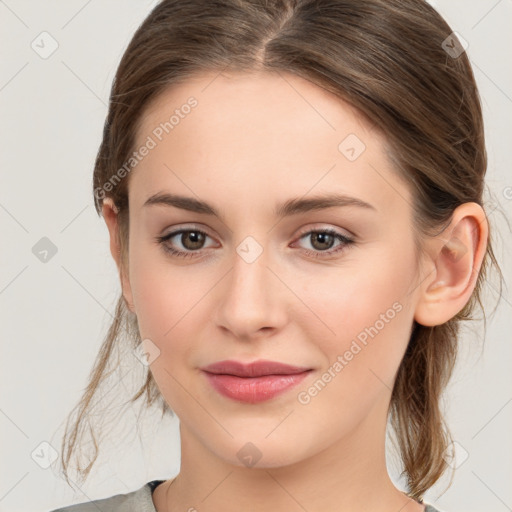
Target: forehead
(225, 133)
(273, 100)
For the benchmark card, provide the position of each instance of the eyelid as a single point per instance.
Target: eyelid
(176, 230)
(323, 227)
(303, 231)
(345, 240)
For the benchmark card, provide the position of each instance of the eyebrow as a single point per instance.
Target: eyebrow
(288, 208)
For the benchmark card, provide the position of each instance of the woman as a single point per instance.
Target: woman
(293, 192)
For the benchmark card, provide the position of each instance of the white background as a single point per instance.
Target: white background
(54, 315)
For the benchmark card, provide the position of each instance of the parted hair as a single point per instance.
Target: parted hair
(398, 63)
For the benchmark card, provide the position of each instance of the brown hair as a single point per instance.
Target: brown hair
(385, 57)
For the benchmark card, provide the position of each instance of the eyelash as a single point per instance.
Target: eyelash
(316, 254)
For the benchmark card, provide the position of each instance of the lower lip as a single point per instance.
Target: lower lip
(254, 389)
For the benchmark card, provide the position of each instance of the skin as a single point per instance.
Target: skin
(254, 141)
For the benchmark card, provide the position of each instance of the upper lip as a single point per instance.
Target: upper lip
(254, 369)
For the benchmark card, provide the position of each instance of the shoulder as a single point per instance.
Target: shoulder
(431, 508)
(139, 500)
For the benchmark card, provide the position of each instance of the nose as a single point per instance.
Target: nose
(252, 299)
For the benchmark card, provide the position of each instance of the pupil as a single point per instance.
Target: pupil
(195, 237)
(324, 238)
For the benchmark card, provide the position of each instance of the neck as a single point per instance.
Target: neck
(349, 476)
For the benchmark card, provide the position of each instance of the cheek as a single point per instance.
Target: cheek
(167, 303)
(371, 323)
(172, 307)
(368, 313)
(162, 294)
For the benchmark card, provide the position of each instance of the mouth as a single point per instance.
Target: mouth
(254, 369)
(254, 382)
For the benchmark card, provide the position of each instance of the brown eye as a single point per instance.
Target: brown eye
(192, 240)
(322, 241)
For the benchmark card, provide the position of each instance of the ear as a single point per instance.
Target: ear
(457, 254)
(110, 212)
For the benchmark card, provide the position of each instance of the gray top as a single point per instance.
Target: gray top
(138, 501)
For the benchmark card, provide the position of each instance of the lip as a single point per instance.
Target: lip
(254, 382)
(253, 369)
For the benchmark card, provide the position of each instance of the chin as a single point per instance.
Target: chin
(260, 453)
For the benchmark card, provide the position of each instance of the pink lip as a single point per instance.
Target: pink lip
(254, 382)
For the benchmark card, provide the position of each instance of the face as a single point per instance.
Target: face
(274, 274)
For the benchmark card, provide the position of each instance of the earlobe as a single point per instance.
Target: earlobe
(457, 255)
(109, 213)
